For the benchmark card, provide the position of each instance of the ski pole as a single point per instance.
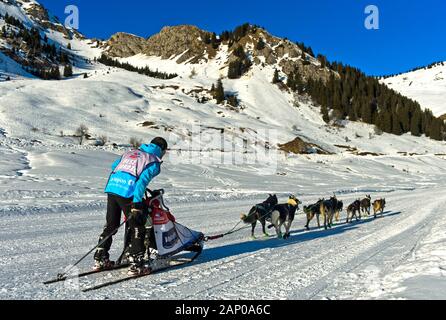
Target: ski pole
(63, 275)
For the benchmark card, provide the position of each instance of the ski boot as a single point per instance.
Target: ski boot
(103, 264)
(138, 267)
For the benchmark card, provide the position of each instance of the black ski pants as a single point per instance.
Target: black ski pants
(135, 227)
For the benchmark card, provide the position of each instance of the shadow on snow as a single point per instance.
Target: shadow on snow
(297, 236)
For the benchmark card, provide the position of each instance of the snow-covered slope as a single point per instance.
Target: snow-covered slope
(427, 86)
(10, 68)
(34, 16)
(121, 104)
(52, 187)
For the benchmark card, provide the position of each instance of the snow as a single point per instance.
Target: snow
(428, 87)
(10, 68)
(59, 199)
(56, 191)
(52, 203)
(16, 12)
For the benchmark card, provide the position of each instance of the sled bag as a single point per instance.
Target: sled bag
(171, 237)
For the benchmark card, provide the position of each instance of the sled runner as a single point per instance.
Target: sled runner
(165, 265)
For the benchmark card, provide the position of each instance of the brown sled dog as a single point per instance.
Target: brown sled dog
(328, 209)
(378, 205)
(352, 209)
(339, 208)
(365, 205)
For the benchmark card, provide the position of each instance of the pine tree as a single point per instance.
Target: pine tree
(219, 92)
(352, 114)
(366, 113)
(415, 123)
(260, 45)
(55, 73)
(207, 38)
(234, 69)
(276, 78)
(324, 112)
(290, 82)
(239, 52)
(68, 71)
(214, 41)
(436, 129)
(386, 122)
(323, 60)
(396, 125)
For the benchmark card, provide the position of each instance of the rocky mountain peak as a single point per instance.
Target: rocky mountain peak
(184, 40)
(188, 43)
(125, 45)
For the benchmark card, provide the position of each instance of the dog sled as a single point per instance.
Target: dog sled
(165, 237)
(168, 244)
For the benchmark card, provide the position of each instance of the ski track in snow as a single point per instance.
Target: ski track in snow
(344, 262)
(52, 207)
(52, 214)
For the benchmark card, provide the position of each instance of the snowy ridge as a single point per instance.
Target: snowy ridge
(427, 86)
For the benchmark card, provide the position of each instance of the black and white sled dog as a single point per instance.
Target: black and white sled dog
(260, 212)
(328, 208)
(283, 214)
(313, 210)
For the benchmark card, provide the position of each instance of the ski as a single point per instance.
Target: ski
(128, 278)
(84, 274)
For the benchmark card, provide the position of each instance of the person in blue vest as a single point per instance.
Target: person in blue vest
(126, 186)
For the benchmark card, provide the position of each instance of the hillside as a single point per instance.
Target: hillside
(248, 59)
(425, 85)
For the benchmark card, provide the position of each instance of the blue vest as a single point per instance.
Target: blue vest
(122, 181)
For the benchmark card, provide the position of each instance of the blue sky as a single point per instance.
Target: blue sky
(412, 33)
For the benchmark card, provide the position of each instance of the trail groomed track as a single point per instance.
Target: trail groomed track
(348, 261)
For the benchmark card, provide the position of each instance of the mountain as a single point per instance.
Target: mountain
(267, 83)
(33, 41)
(426, 85)
(190, 45)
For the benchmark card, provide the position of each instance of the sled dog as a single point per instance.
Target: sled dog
(260, 212)
(365, 204)
(283, 214)
(378, 205)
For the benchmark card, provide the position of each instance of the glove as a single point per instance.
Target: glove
(139, 206)
(136, 213)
